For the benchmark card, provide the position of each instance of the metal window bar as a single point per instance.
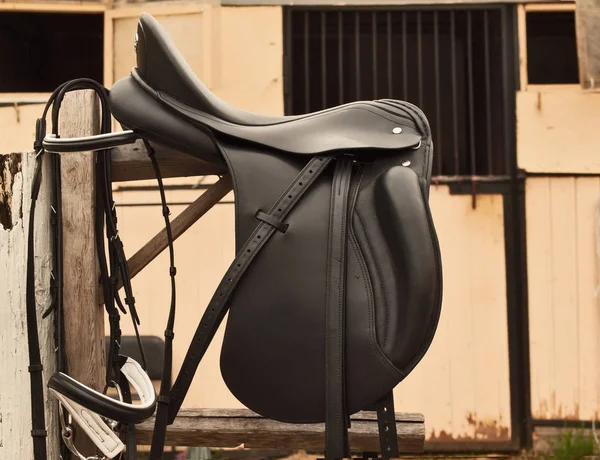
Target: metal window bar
(446, 60)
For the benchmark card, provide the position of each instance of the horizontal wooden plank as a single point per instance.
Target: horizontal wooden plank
(131, 162)
(90, 6)
(247, 413)
(233, 427)
(367, 2)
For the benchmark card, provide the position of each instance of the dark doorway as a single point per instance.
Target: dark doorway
(40, 51)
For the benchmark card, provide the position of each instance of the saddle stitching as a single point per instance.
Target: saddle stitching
(327, 300)
(378, 269)
(371, 312)
(371, 301)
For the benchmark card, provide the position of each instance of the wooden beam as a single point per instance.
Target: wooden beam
(232, 427)
(522, 36)
(54, 7)
(550, 7)
(16, 174)
(179, 225)
(391, 3)
(587, 19)
(130, 162)
(83, 317)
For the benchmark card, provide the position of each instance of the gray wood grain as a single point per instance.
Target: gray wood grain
(131, 162)
(83, 317)
(588, 42)
(232, 427)
(367, 2)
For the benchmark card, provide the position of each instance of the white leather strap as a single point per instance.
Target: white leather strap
(96, 429)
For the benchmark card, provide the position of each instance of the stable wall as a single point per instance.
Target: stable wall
(557, 130)
(461, 385)
(563, 247)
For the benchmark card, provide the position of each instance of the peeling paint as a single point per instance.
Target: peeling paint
(478, 430)
(550, 409)
(10, 165)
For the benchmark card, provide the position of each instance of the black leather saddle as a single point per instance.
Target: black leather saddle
(336, 289)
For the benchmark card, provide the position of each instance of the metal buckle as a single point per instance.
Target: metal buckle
(67, 436)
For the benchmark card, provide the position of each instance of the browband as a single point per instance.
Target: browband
(55, 144)
(87, 405)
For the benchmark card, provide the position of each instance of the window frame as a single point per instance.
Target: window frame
(522, 11)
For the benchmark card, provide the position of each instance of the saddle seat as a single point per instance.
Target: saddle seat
(165, 101)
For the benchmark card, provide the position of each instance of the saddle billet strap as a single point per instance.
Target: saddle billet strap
(386, 420)
(336, 429)
(218, 305)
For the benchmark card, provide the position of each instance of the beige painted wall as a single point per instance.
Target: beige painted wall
(462, 383)
(17, 127)
(564, 313)
(557, 130)
(236, 52)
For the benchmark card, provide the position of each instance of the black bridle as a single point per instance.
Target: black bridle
(113, 268)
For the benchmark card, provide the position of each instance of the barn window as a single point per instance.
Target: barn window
(551, 48)
(449, 62)
(39, 51)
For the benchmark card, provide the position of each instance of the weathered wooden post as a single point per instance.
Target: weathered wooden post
(588, 42)
(83, 317)
(84, 323)
(16, 174)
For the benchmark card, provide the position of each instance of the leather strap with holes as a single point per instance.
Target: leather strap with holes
(336, 429)
(386, 419)
(218, 305)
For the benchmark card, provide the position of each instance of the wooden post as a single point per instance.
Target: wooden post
(16, 173)
(83, 317)
(588, 42)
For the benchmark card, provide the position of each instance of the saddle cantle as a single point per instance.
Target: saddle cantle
(335, 293)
